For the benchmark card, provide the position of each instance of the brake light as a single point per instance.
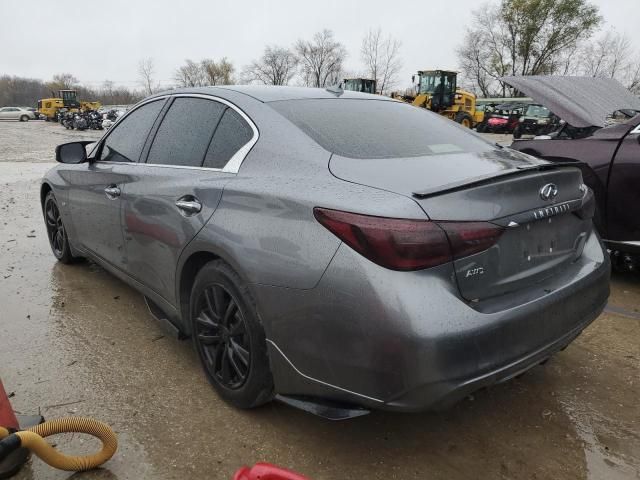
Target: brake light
(398, 244)
(404, 244)
(468, 238)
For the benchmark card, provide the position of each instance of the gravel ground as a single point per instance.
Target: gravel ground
(36, 140)
(78, 341)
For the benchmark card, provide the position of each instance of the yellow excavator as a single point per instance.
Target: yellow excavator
(67, 100)
(437, 91)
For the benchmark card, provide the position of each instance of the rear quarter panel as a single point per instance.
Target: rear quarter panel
(264, 225)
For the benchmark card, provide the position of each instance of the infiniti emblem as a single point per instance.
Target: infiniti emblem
(549, 191)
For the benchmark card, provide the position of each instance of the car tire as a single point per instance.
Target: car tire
(229, 337)
(517, 133)
(464, 119)
(24, 118)
(56, 232)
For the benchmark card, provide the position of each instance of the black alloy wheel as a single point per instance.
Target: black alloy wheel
(55, 228)
(56, 231)
(229, 337)
(222, 334)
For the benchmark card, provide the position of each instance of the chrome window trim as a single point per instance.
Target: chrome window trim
(234, 163)
(183, 167)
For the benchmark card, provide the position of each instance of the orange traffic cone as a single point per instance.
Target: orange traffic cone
(7, 417)
(10, 465)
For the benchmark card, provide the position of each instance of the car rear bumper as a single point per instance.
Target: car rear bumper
(407, 341)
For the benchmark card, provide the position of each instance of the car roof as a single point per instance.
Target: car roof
(270, 93)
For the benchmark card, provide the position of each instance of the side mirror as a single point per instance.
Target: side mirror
(73, 152)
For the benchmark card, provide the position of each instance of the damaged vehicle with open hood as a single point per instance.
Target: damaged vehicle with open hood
(600, 135)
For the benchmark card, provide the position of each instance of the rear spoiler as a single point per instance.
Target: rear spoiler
(483, 179)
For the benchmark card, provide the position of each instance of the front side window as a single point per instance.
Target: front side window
(185, 132)
(537, 111)
(429, 83)
(126, 141)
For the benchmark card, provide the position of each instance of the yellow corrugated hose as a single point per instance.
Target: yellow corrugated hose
(33, 439)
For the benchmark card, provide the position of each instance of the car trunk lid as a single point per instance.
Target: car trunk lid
(541, 206)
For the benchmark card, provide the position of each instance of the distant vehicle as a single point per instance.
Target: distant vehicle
(602, 139)
(536, 120)
(34, 110)
(437, 90)
(67, 100)
(16, 113)
(483, 103)
(364, 85)
(502, 118)
(333, 246)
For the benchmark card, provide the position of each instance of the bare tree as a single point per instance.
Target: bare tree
(189, 75)
(606, 56)
(611, 55)
(146, 72)
(524, 37)
(277, 66)
(381, 57)
(633, 83)
(484, 53)
(321, 59)
(63, 81)
(217, 73)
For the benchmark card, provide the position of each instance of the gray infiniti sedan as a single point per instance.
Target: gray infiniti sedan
(336, 250)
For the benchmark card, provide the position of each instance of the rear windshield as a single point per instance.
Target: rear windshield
(377, 128)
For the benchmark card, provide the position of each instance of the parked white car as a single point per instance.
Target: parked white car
(16, 113)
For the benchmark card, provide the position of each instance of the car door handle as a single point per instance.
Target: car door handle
(189, 205)
(112, 192)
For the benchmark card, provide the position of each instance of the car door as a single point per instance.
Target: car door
(623, 191)
(180, 185)
(9, 113)
(96, 186)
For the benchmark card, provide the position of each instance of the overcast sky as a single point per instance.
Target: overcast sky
(98, 40)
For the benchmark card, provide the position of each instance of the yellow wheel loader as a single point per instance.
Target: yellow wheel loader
(437, 91)
(67, 101)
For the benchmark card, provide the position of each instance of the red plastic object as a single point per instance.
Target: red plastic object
(7, 417)
(266, 471)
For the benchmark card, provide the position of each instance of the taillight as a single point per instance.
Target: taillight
(468, 238)
(404, 244)
(588, 207)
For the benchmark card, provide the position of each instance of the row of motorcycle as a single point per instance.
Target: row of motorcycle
(86, 120)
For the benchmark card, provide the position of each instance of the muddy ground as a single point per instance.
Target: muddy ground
(74, 340)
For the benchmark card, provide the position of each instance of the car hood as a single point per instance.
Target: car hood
(580, 101)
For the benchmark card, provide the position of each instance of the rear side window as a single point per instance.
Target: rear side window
(125, 142)
(231, 135)
(185, 132)
(378, 128)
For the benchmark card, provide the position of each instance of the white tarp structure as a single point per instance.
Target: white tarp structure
(579, 101)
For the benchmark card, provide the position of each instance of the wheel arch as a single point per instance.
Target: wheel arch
(45, 188)
(191, 262)
(186, 278)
